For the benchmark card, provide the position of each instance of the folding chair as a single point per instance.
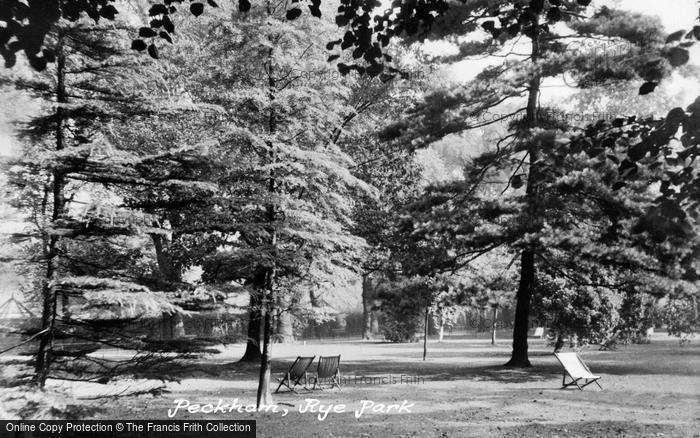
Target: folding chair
(296, 373)
(539, 332)
(328, 370)
(580, 375)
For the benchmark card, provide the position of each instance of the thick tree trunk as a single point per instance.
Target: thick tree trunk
(367, 301)
(48, 313)
(519, 357)
(170, 273)
(170, 270)
(255, 327)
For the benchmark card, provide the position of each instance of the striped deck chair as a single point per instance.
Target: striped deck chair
(329, 371)
(580, 375)
(296, 373)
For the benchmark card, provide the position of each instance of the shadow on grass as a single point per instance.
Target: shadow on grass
(446, 372)
(629, 360)
(350, 370)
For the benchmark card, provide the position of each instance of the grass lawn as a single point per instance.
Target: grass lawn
(461, 390)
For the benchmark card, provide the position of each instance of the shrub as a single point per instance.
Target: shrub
(586, 314)
(681, 318)
(403, 307)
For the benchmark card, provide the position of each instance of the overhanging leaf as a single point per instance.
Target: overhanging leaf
(293, 14)
(197, 9)
(675, 36)
(139, 45)
(315, 11)
(678, 56)
(675, 116)
(146, 32)
(647, 87)
(153, 51)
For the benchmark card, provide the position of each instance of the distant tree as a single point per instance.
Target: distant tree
(394, 172)
(446, 312)
(492, 292)
(407, 303)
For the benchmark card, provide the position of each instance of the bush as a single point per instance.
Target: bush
(403, 309)
(638, 314)
(401, 330)
(588, 315)
(681, 318)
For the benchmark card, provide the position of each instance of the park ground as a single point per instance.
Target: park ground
(460, 390)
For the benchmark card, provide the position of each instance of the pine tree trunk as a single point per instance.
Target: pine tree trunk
(519, 357)
(493, 325)
(375, 322)
(48, 314)
(255, 322)
(313, 325)
(170, 273)
(170, 270)
(425, 332)
(264, 396)
(285, 328)
(366, 307)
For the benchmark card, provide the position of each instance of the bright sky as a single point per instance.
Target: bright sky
(683, 15)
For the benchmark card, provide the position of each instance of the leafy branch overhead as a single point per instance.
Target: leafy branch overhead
(368, 31)
(25, 25)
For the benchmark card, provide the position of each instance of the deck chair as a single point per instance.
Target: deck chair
(296, 373)
(580, 375)
(328, 371)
